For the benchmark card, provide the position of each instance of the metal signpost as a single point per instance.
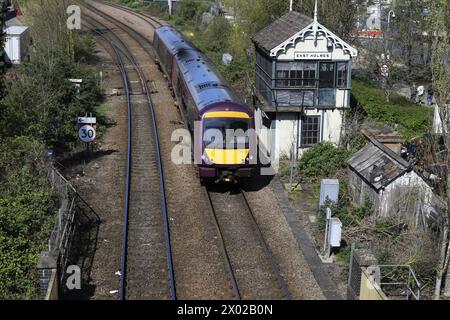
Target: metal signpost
(87, 130)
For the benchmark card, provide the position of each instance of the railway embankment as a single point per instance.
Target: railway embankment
(38, 105)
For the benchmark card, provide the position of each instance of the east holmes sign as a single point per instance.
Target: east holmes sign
(312, 55)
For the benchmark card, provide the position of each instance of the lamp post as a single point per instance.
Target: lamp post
(391, 13)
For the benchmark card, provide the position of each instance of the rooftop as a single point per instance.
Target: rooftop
(378, 165)
(381, 132)
(15, 30)
(281, 29)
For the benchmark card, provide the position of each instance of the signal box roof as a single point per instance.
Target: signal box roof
(281, 29)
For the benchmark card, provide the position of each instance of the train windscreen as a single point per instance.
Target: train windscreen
(226, 133)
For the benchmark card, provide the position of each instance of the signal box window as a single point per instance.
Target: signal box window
(310, 131)
(342, 74)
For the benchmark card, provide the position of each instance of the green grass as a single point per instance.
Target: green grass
(410, 119)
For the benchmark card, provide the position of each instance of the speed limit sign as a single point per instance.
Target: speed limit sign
(87, 133)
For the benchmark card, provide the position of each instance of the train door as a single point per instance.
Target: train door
(180, 94)
(185, 105)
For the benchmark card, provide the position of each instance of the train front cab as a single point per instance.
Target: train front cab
(227, 157)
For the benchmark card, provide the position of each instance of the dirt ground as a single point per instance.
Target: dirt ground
(278, 234)
(100, 179)
(304, 204)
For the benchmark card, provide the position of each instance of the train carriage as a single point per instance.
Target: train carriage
(204, 96)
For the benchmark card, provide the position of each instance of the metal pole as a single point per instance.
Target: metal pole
(326, 247)
(329, 236)
(293, 165)
(350, 266)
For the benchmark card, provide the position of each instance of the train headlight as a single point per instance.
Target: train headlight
(206, 160)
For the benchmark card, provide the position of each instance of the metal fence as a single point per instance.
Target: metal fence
(64, 228)
(395, 281)
(354, 276)
(72, 241)
(399, 281)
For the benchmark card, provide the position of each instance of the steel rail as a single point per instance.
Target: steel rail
(274, 262)
(142, 40)
(229, 266)
(125, 80)
(144, 84)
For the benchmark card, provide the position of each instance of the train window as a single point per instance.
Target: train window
(228, 133)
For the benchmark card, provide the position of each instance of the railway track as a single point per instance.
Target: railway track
(143, 41)
(254, 269)
(147, 270)
(254, 272)
(151, 20)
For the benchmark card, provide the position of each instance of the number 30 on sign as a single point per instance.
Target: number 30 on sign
(87, 133)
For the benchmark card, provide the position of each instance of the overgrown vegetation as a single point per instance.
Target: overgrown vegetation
(27, 211)
(389, 239)
(38, 108)
(323, 161)
(410, 119)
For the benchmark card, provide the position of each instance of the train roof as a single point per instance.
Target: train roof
(204, 82)
(173, 40)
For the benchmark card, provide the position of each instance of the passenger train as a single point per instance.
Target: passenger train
(204, 96)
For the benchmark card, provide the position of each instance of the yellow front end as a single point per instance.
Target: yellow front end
(227, 157)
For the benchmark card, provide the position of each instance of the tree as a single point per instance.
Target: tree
(337, 15)
(439, 24)
(2, 63)
(411, 46)
(191, 10)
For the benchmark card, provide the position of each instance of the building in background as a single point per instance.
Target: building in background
(303, 82)
(17, 44)
(18, 40)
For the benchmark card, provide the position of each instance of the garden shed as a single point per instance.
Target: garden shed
(392, 185)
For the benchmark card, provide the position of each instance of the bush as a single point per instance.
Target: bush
(411, 120)
(27, 208)
(323, 160)
(191, 10)
(350, 215)
(217, 34)
(43, 104)
(38, 110)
